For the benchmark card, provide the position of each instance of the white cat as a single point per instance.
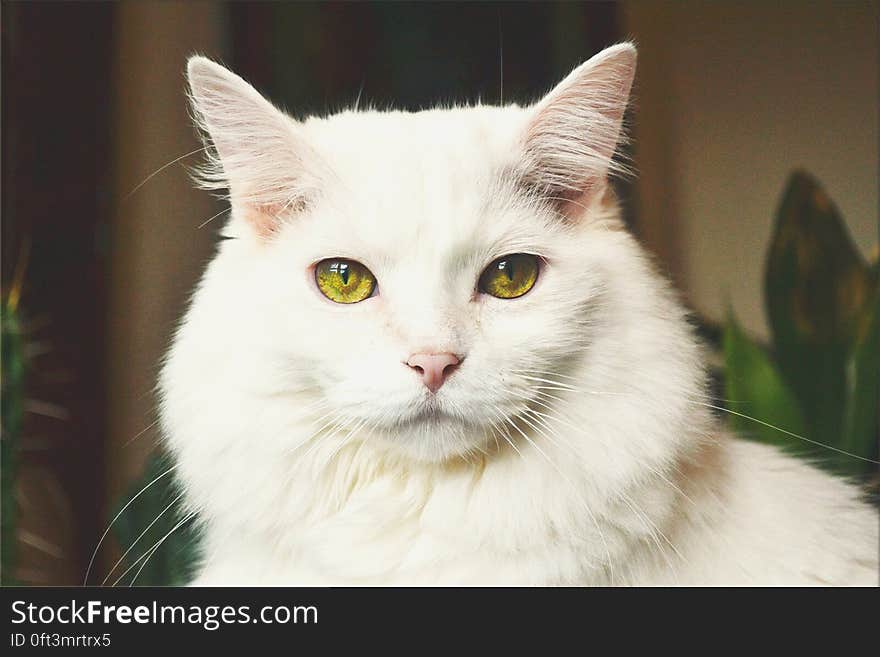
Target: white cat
(431, 355)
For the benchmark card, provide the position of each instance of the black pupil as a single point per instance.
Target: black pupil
(507, 267)
(342, 269)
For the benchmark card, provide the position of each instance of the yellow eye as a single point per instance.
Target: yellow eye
(510, 276)
(344, 281)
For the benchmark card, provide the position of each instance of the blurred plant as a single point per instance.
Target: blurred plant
(23, 546)
(161, 542)
(12, 378)
(822, 382)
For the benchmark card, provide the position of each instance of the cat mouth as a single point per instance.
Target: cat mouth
(429, 416)
(429, 413)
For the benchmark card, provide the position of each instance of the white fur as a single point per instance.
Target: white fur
(314, 455)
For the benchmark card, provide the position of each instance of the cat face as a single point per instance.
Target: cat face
(415, 277)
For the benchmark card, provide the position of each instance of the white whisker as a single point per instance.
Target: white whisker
(789, 433)
(160, 170)
(116, 517)
(153, 551)
(140, 536)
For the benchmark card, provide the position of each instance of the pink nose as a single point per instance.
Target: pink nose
(433, 368)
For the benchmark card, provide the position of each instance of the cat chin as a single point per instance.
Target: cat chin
(435, 437)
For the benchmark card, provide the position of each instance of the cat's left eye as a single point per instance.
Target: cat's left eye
(344, 281)
(510, 276)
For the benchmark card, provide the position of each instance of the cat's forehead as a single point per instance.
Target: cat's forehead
(440, 146)
(423, 177)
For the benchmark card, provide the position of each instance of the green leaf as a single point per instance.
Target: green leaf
(157, 514)
(753, 387)
(816, 285)
(12, 378)
(861, 425)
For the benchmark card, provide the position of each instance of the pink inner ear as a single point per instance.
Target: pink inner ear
(266, 219)
(574, 205)
(263, 220)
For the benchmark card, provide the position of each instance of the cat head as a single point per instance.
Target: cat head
(416, 279)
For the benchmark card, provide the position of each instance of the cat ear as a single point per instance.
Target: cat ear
(254, 150)
(573, 132)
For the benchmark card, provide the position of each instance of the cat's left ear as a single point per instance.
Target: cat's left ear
(573, 132)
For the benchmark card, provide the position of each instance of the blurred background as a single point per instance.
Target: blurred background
(100, 224)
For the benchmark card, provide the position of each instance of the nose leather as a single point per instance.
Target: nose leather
(433, 368)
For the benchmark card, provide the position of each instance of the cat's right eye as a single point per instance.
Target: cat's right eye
(344, 281)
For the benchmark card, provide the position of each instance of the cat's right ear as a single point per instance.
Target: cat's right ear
(254, 149)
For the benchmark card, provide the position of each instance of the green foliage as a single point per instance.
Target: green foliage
(12, 380)
(154, 518)
(755, 387)
(860, 418)
(822, 305)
